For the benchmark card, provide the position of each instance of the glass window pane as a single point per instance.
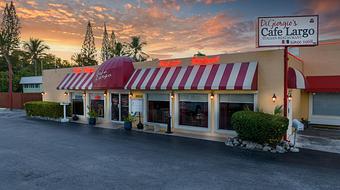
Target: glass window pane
(227, 110)
(115, 107)
(97, 103)
(158, 111)
(97, 96)
(158, 97)
(193, 110)
(326, 104)
(237, 98)
(98, 106)
(77, 104)
(193, 97)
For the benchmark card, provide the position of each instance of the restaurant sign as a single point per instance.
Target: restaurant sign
(288, 31)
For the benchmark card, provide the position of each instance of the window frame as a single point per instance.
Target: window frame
(188, 127)
(217, 111)
(104, 99)
(146, 103)
(83, 99)
(321, 119)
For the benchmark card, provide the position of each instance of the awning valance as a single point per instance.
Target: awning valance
(323, 83)
(232, 76)
(296, 80)
(76, 81)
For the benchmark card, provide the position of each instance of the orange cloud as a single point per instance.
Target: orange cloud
(62, 26)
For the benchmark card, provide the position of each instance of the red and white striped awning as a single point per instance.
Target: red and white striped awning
(233, 76)
(76, 81)
(296, 80)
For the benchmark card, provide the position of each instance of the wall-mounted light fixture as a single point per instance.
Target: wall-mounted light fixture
(212, 96)
(172, 95)
(84, 94)
(43, 93)
(65, 93)
(290, 97)
(130, 95)
(105, 93)
(274, 97)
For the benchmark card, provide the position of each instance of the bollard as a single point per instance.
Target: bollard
(168, 129)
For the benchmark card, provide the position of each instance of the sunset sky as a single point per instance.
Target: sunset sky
(171, 28)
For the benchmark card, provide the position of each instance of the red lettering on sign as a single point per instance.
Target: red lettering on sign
(85, 70)
(169, 63)
(77, 70)
(205, 60)
(88, 70)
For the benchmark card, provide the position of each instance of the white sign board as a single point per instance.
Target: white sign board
(136, 105)
(288, 31)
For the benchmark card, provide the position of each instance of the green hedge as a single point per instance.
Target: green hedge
(45, 109)
(259, 127)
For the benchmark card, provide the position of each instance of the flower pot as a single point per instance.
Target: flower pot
(127, 125)
(92, 121)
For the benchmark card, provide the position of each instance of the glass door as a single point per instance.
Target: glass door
(124, 109)
(119, 106)
(115, 107)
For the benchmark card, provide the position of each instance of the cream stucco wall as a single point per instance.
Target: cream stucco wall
(51, 79)
(322, 60)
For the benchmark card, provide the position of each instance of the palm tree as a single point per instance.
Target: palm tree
(119, 49)
(135, 49)
(35, 49)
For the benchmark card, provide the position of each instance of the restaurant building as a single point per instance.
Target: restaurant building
(200, 94)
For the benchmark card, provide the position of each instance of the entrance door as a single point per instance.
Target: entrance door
(119, 106)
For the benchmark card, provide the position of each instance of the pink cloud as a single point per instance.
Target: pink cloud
(329, 12)
(167, 35)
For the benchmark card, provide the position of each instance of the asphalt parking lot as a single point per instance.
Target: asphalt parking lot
(37, 154)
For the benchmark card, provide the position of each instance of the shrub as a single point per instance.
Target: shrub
(45, 109)
(259, 127)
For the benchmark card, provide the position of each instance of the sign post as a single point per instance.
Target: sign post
(287, 31)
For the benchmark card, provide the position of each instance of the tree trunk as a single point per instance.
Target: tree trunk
(10, 78)
(35, 67)
(41, 66)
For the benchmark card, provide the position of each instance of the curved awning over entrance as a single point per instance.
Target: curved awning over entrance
(296, 80)
(113, 74)
(232, 76)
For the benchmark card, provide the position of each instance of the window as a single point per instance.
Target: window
(158, 108)
(231, 103)
(97, 103)
(193, 110)
(77, 104)
(326, 104)
(119, 106)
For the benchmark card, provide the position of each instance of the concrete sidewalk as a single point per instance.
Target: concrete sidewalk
(321, 139)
